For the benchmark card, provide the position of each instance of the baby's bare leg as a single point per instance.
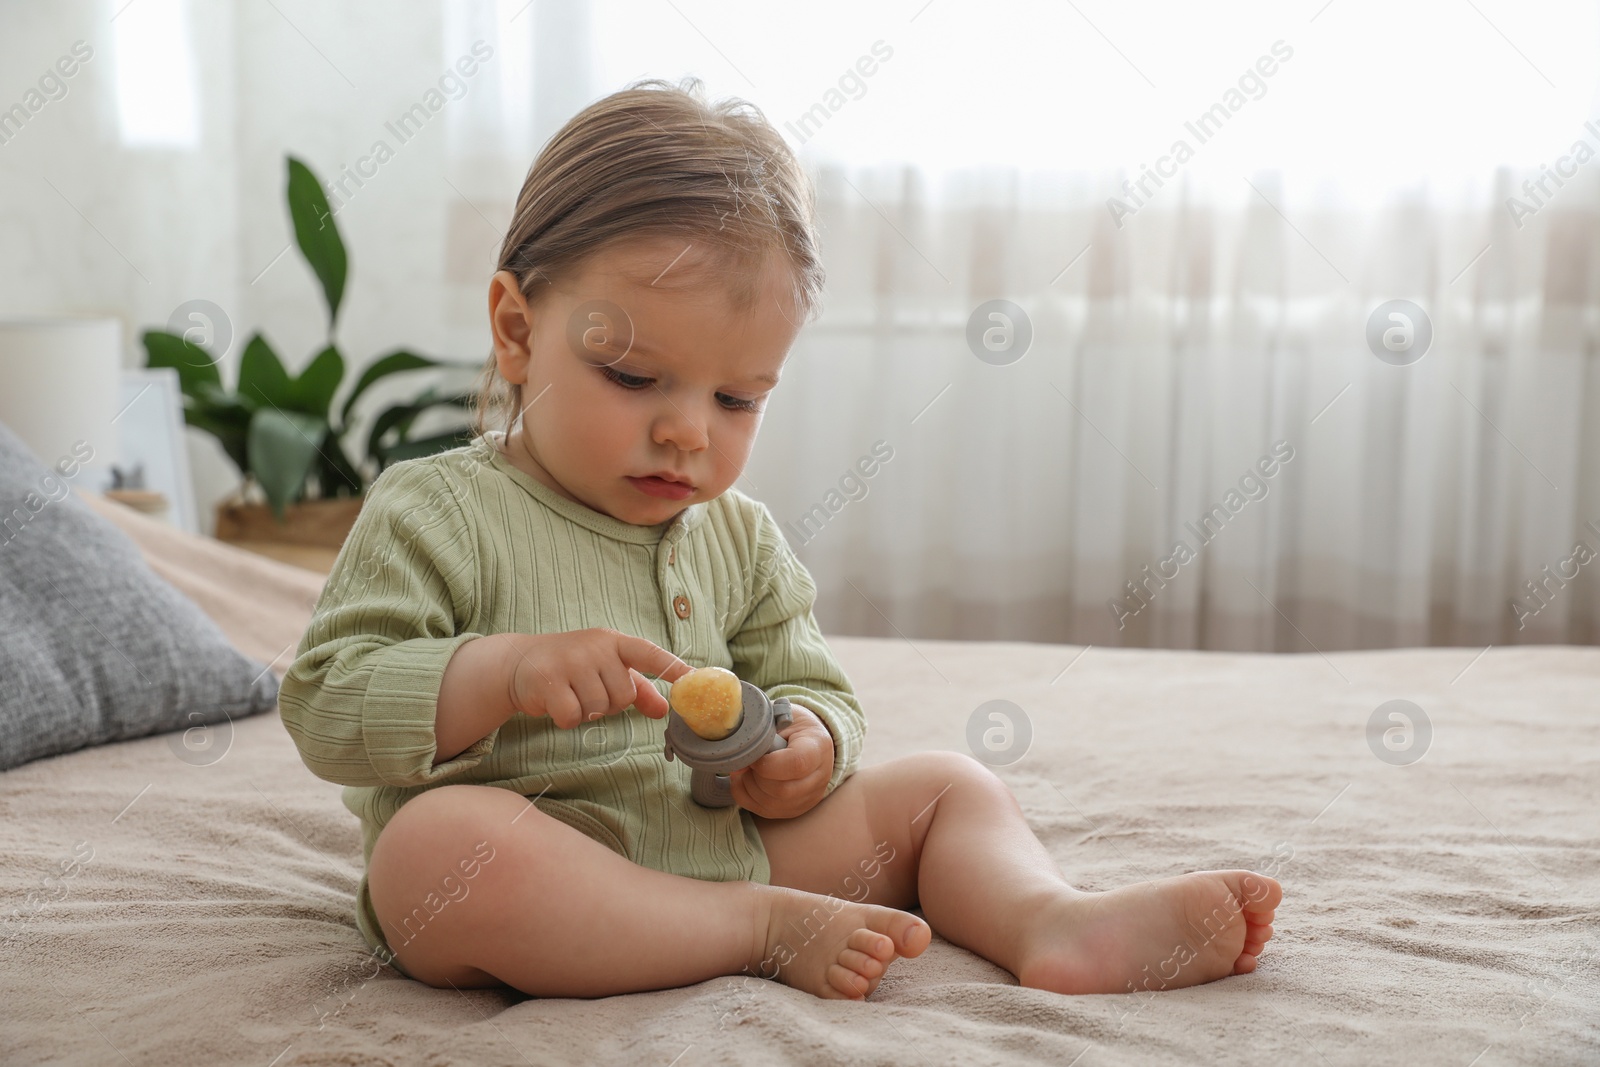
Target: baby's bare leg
(554, 913)
(936, 830)
(941, 830)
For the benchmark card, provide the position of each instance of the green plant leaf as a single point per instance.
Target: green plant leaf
(410, 410)
(336, 475)
(214, 397)
(427, 446)
(193, 363)
(230, 426)
(400, 416)
(282, 446)
(391, 417)
(313, 391)
(317, 234)
(393, 363)
(262, 378)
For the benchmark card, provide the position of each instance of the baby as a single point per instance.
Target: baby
(486, 670)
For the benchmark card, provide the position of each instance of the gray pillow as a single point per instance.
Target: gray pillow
(94, 645)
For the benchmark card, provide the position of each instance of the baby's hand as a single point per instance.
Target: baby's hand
(581, 675)
(790, 781)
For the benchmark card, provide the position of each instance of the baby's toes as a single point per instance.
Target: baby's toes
(872, 943)
(847, 982)
(907, 934)
(868, 967)
(1256, 937)
(1262, 894)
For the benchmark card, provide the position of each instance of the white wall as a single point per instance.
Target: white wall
(162, 225)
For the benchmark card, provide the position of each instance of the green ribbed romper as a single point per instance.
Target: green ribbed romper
(463, 543)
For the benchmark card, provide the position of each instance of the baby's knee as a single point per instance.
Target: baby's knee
(434, 865)
(440, 846)
(944, 768)
(432, 825)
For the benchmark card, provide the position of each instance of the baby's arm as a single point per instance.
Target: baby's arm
(780, 649)
(360, 698)
(474, 694)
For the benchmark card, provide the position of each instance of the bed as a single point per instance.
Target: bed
(1446, 910)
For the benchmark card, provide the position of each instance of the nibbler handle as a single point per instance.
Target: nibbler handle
(711, 790)
(782, 718)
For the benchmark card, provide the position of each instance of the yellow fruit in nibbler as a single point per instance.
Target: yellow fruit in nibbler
(710, 701)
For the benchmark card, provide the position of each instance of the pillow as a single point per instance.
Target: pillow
(94, 647)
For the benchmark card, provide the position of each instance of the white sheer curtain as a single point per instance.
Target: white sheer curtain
(1165, 364)
(1221, 325)
(962, 154)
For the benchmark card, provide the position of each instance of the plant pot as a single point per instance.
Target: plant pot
(310, 535)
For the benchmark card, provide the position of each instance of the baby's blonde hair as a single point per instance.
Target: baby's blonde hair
(658, 160)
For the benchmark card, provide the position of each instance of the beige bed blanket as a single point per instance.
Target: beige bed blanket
(1445, 912)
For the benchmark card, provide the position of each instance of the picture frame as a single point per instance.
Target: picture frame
(151, 438)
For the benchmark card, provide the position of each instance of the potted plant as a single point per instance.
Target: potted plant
(286, 433)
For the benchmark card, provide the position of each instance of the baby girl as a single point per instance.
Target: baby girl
(487, 668)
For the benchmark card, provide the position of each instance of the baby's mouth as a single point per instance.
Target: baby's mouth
(664, 488)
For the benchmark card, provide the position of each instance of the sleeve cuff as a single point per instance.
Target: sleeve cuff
(399, 710)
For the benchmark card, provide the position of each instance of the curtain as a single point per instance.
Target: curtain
(1111, 486)
(1185, 335)
(1182, 355)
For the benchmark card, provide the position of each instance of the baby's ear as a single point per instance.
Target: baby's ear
(511, 324)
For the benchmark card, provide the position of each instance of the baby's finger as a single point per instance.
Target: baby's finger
(748, 794)
(562, 707)
(650, 658)
(646, 697)
(620, 688)
(593, 700)
(740, 793)
(800, 718)
(797, 761)
(778, 793)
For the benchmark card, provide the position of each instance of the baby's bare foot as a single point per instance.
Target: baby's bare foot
(829, 947)
(1157, 935)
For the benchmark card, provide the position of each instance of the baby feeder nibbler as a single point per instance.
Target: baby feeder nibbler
(707, 699)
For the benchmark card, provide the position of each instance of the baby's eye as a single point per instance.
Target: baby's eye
(634, 381)
(733, 403)
(627, 381)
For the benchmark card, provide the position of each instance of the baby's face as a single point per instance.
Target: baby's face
(683, 395)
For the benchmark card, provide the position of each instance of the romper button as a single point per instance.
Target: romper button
(680, 604)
